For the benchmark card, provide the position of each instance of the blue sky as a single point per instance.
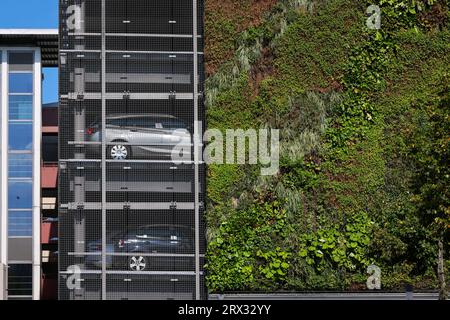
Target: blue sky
(38, 14)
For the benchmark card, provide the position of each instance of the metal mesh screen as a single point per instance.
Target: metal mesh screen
(131, 217)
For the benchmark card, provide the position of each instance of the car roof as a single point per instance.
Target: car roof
(161, 226)
(141, 115)
(165, 226)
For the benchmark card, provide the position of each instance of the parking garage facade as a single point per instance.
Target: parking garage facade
(131, 176)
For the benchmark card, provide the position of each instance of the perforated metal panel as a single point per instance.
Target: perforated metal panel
(131, 87)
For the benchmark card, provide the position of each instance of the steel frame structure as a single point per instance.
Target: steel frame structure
(140, 58)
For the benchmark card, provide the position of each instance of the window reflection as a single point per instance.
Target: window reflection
(20, 280)
(20, 165)
(21, 107)
(20, 83)
(20, 136)
(20, 194)
(20, 223)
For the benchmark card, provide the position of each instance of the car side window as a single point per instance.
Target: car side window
(174, 124)
(142, 123)
(117, 122)
(161, 234)
(150, 123)
(136, 122)
(176, 235)
(159, 123)
(140, 233)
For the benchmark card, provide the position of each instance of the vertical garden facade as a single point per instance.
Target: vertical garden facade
(131, 178)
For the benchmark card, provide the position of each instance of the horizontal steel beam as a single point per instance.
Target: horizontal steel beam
(129, 254)
(136, 273)
(131, 52)
(129, 161)
(131, 96)
(159, 78)
(94, 143)
(143, 35)
(140, 186)
(130, 205)
(329, 296)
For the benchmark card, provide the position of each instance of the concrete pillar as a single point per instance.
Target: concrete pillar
(37, 124)
(3, 174)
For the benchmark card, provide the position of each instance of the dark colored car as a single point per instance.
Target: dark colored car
(144, 248)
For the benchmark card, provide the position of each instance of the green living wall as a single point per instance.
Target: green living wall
(364, 162)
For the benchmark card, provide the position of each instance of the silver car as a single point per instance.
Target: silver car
(141, 136)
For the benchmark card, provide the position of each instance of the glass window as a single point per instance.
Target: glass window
(20, 280)
(119, 122)
(144, 122)
(20, 165)
(21, 58)
(20, 107)
(20, 223)
(154, 232)
(172, 123)
(20, 83)
(20, 194)
(20, 136)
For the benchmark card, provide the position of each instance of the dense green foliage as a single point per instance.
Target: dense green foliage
(364, 163)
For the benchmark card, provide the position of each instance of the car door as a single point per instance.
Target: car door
(117, 130)
(175, 134)
(153, 239)
(149, 137)
(137, 241)
(163, 132)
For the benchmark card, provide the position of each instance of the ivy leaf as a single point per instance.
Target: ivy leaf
(378, 36)
(280, 272)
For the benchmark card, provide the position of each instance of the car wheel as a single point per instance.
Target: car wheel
(137, 263)
(119, 152)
